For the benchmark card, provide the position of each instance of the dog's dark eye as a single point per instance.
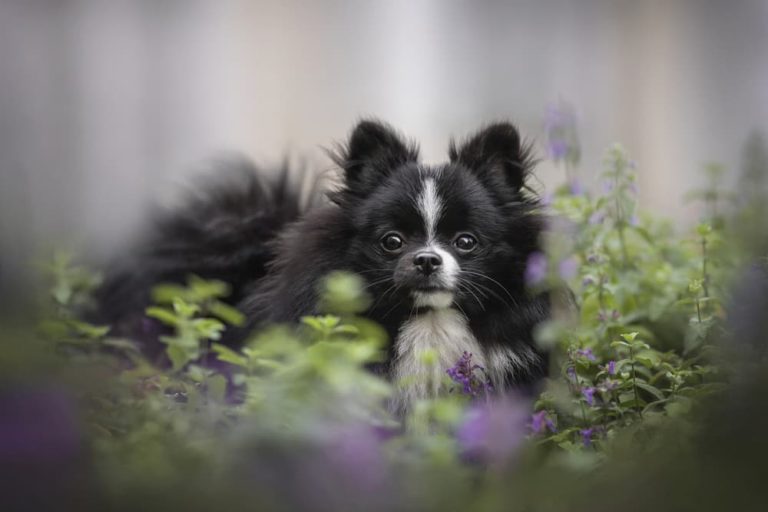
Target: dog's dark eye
(392, 242)
(465, 243)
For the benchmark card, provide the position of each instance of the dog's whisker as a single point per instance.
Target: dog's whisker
(466, 288)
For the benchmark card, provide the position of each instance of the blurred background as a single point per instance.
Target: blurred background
(106, 105)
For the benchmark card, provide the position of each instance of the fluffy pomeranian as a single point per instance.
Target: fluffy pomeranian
(442, 249)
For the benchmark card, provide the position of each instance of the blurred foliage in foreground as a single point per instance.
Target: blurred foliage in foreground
(657, 396)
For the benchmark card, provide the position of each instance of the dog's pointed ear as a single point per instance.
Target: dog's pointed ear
(373, 151)
(495, 151)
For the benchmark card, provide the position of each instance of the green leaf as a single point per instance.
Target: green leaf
(121, 344)
(227, 313)
(166, 293)
(629, 337)
(346, 329)
(229, 356)
(178, 356)
(208, 328)
(184, 309)
(165, 316)
(650, 389)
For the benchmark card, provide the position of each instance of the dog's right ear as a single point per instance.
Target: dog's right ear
(374, 150)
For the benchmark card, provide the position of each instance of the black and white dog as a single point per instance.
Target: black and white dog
(442, 249)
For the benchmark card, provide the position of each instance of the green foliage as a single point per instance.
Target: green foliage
(638, 348)
(298, 416)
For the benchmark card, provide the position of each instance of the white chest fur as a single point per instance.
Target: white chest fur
(430, 343)
(426, 346)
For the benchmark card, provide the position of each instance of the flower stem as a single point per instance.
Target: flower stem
(705, 275)
(634, 381)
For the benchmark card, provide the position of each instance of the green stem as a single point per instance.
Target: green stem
(698, 309)
(623, 242)
(634, 382)
(705, 276)
(620, 224)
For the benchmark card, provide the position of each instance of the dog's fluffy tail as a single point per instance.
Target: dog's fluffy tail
(222, 230)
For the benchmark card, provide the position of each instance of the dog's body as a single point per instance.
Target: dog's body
(442, 249)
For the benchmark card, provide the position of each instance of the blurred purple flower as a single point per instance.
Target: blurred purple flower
(466, 374)
(586, 435)
(611, 368)
(576, 187)
(634, 221)
(586, 352)
(571, 372)
(541, 422)
(603, 317)
(589, 395)
(568, 267)
(536, 268)
(609, 385)
(38, 426)
(355, 452)
(608, 186)
(587, 281)
(562, 133)
(558, 149)
(557, 117)
(493, 431)
(596, 218)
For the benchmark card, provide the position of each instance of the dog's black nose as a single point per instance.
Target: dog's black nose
(427, 262)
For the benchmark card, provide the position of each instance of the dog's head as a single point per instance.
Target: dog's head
(451, 235)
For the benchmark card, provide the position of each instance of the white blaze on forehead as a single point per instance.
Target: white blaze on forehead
(430, 206)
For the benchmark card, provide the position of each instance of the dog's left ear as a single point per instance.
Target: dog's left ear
(495, 152)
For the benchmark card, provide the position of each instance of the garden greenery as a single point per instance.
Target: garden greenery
(297, 419)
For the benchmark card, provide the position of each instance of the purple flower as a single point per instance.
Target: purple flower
(536, 268)
(562, 133)
(586, 435)
(355, 452)
(571, 372)
(38, 427)
(589, 395)
(596, 218)
(576, 188)
(493, 431)
(586, 352)
(634, 221)
(558, 117)
(611, 368)
(541, 422)
(603, 317)
(465, 373)
(568, 268)
(558, 149)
